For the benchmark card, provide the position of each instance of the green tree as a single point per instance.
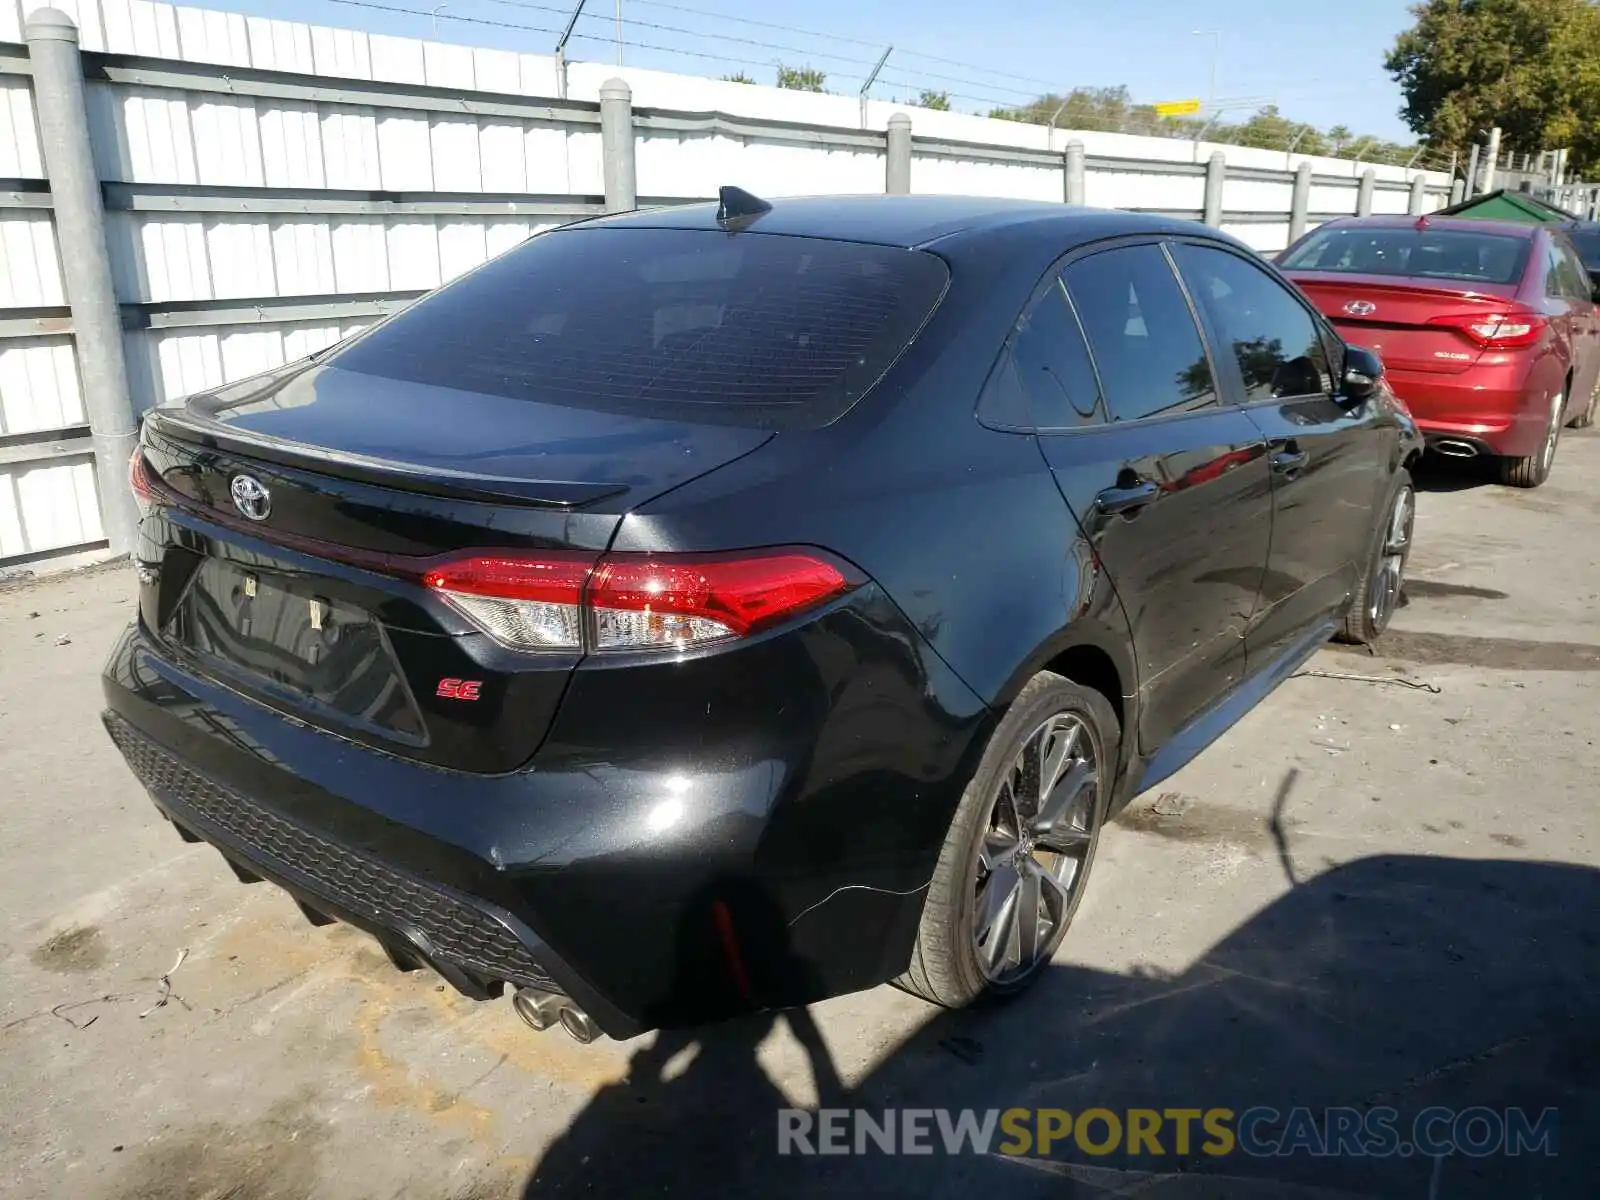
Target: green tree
(1531, 67)
(1111, 108)
(801, 79)
(737, 77)
(1081, 108)
(1311, 141)
(1268, 130)
(935, 100)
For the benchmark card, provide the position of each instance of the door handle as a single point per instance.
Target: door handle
(1128, 499)
(1290, 460)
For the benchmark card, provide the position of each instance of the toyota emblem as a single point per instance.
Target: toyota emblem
(1360, 308)
(250, 497)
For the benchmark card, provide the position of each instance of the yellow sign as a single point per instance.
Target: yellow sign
(1178, 108)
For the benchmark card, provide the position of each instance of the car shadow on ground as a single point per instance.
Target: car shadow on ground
(1434, 473)
(1399, 981)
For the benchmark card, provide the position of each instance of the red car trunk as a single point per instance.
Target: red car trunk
(1398, 317)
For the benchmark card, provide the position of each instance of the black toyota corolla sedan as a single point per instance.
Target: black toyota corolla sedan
(726, 607)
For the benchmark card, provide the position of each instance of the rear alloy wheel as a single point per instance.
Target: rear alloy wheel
(1533, 469)
(1014, 865)
(1586, 418)
(1378, 594)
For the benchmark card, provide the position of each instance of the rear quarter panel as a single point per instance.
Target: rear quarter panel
(961, 525)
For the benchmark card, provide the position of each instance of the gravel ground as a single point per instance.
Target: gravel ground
(1365, 894)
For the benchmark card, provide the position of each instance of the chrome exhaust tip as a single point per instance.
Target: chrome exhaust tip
(578, 1024)
(540, 1010)
(1452, 448)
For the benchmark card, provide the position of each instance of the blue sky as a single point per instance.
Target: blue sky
(1320, 63)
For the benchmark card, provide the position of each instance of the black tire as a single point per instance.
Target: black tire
(1585, 419)
(1372, 606)
(945, 964)
(1529, 471)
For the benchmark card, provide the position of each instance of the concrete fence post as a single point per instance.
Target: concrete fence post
(1369, 180)
(1216, 177)
(1471, 188)
(616, 146)
(1300, 201)
(1414, 204)
(1491, 159)
(80, 221)
(897, 156)
(1458, 188)
(1075, 173)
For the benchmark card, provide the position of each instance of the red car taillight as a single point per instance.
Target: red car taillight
(1496, 330)
(561, 601)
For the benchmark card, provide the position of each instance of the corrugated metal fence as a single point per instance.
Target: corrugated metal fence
(270, 188)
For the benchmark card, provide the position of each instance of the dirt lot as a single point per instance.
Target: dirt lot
(1419, 926)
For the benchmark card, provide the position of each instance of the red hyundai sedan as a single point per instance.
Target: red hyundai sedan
(1487, 329)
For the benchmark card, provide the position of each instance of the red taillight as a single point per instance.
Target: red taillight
(635, 601)
(666, 601)
(1510, 330)
(526, 603)
(139, 480)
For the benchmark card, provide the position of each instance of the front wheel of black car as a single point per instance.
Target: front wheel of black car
(1377, 594)
(1015, 862)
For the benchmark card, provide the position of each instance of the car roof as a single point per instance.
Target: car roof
(911, 221)
(1464, 224)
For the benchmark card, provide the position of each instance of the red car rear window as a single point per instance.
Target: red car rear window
(1425, 253)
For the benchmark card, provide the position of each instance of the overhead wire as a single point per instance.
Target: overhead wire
(806, 52)
(720, 37)
(900, 51)
(589, 37)
(915, 84)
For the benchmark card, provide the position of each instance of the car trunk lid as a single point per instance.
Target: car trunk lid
(313, 602)
(1391, 316)
(318, 516)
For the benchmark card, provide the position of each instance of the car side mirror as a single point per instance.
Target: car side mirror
(1362, 371)
(1594, 290)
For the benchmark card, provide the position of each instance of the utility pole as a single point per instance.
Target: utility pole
(58, 97)
(1216, 56)
(619, 32)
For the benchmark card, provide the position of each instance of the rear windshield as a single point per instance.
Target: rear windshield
(1429, 253)
(747, 328)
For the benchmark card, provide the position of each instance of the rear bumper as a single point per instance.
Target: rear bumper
(672, 881)
(1504, 417)
(476, 946)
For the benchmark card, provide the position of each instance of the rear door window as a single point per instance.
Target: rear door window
(749, 329)
(1274, 340)
(1053, 364)
(1553, 283)
(1147, 350)
(1574, 278)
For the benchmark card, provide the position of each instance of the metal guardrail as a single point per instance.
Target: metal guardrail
(46, 447)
